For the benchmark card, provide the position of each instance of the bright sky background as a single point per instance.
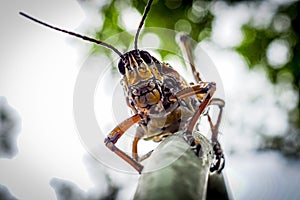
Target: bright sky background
(37, 75)
(38, 72)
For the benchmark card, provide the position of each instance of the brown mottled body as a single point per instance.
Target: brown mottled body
(150, 89)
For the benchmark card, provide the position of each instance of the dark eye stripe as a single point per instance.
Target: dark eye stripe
(121, 67)
(139, 56)
(146, 56)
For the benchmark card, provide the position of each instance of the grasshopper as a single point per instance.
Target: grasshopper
(162, 102)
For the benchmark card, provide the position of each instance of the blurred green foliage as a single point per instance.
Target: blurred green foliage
(196, 18)
(285, 26)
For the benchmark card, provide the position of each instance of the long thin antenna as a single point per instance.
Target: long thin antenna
(146, 11)
(74, 34)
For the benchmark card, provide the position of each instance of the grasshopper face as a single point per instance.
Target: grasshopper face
(142, 81)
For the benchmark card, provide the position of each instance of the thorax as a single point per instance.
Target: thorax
(154, 98)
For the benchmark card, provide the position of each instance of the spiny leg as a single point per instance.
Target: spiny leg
(116, 133)
(215, 127)
(220, 161)
(186, 47)
(184, 38)
(207, 88)
(219, 164)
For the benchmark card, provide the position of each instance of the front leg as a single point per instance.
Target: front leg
(203, 88)
(138, 135)
(116, 133)
(208, 89)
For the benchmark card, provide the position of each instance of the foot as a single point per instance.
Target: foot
(219, 160)
(195, 146)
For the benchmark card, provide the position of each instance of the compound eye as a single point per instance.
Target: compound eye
(146, 56)
(121, 67)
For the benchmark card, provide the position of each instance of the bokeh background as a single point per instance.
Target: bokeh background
(253, 44)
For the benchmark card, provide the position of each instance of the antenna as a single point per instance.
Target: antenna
(146, 11)
(99, 42)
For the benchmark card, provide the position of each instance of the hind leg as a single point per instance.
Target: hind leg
(219, 161)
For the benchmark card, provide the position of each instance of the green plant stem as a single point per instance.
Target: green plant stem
(173, 171)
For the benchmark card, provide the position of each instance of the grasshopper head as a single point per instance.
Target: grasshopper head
(142, 80)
